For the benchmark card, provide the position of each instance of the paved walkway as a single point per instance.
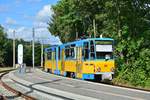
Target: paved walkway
(68, 88)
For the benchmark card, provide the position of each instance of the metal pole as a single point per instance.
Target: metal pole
(76, 34)
(14, 49)
(33, 48)
(42, 54)
(94, 28)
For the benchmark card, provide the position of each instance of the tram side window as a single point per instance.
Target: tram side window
(92, 50)
(55, 54)
(49, 55)
(59, 53)
(70, 53)
(85, 52)
(67, 52)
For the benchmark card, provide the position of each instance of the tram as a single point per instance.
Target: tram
(90, 58)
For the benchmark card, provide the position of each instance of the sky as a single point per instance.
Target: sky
(23, 15)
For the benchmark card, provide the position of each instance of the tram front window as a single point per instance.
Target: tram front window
(104, 50)
(104, 55)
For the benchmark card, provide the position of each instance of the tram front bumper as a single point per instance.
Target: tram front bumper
(105, 75)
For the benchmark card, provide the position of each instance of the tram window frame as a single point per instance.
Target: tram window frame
(70, 52)
(54, 54)
(92, 50)
(59, 54)
(49, 55)
(66, 52)
(85, 51)
(102, 54)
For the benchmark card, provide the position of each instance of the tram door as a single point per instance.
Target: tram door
(79, 62)
(53, 59)
(63, 60)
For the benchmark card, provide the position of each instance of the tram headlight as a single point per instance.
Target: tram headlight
(98, 69)
(112, 69)
(107, 57)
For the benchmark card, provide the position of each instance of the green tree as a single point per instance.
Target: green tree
(127, 21)
(2, 45)
(8, 57)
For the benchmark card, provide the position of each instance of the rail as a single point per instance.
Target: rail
(18, 93)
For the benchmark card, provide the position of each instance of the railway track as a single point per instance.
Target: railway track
(16, 92)
(36, 88)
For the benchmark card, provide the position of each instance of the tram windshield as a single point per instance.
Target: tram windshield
(104, 49)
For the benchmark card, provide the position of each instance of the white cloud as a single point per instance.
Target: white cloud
(40, 25)
(42, 18)
(44, 14)
(20, 33)
(41, 34)
(44, 35)
(10, 21)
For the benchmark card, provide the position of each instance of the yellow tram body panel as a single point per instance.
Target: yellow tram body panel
(48, 64)
(59, 65)
(70, 66)
(98, 66)
(88, 67)
(53, 66)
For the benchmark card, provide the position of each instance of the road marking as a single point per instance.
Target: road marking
(103, 92)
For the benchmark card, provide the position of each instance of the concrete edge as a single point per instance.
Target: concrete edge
(51, 90)
(34, 91)
(106, 85)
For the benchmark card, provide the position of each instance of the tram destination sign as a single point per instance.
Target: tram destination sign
(104, 48)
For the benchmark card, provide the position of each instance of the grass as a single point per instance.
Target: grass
(5, 68)
(128, 84)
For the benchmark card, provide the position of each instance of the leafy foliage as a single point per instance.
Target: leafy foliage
(2, 45)
(127, 21)
(6, 51)
(27, 54)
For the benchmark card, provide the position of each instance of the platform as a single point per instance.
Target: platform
(69, 88)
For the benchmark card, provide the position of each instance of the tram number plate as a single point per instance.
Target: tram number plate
(107, 76)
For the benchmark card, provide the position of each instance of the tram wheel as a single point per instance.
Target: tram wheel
(73, 75)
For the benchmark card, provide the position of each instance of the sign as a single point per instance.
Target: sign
(20, 54)
(104, 48)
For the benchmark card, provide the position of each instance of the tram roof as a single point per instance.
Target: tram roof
(78, 42)
(88, 39)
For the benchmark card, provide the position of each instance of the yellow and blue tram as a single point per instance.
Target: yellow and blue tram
(84, 59)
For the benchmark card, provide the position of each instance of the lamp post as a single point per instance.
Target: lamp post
(14, 61)
(33, 36)
(42, 54)
(94, 28)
